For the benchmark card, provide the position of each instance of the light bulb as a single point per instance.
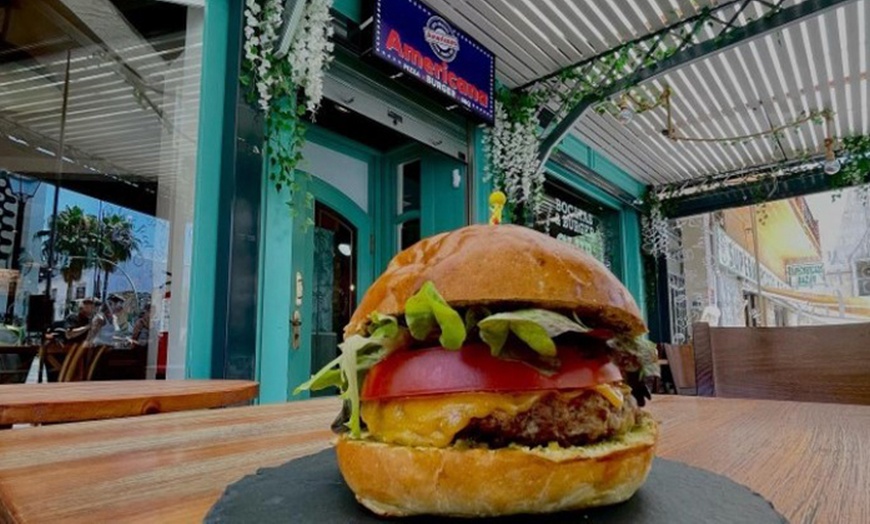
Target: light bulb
(832, 167)
(344, 249)
(625, 115)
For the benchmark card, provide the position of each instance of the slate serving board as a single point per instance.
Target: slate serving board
(311, 489)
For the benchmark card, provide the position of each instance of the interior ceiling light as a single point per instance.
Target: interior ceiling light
(626, 113)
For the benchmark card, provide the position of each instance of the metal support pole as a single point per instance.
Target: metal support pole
(58, 176)
(49, 261)
(762, 313)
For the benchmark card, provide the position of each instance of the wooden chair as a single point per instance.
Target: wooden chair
(807, 363)
(681, 360)
(81, 361)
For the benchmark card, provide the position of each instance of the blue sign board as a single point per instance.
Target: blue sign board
(418, 41)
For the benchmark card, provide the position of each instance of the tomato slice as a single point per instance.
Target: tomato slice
(419, 372)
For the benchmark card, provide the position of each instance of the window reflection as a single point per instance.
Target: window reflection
(98, 126)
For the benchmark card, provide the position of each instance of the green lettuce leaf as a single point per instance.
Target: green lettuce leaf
(328, 376)
(382, 325)
(427, 310)
(535, 327)
(358, 354)
(636, 354)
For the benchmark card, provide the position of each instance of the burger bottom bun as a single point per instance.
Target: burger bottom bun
(395, 480)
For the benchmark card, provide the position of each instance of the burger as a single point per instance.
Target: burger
(493, 370)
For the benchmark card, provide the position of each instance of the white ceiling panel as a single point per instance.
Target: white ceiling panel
(819, 63)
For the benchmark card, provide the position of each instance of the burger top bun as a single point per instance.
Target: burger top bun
(505, 265)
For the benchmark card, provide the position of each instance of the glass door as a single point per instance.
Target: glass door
(334, 268)
(336, 251)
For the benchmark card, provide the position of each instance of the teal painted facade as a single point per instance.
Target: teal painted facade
(213, 176)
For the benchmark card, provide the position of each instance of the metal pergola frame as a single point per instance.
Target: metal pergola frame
(687, 52)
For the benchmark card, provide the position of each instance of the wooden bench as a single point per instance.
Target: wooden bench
(806, 363)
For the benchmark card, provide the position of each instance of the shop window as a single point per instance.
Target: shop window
(408, 208)
(862, 278)
(99, 117)
(573, 219)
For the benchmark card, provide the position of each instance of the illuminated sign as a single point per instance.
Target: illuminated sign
(424, 45)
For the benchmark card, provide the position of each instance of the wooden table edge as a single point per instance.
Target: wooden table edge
(102, 409)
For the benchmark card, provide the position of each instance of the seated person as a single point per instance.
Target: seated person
(140, 335)
(77, 325)
(103, 324)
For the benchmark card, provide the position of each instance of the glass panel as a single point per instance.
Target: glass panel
(570, 218)
(334, 287)
(409, 187)
(98, 131)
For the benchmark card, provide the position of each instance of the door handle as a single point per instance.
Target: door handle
(296, 329)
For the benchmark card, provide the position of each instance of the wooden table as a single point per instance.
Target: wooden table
(810, 460)
(78, 401)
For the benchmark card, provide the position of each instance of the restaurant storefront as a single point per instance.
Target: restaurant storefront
(138, 144)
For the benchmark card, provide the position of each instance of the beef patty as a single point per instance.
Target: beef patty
(567, 418)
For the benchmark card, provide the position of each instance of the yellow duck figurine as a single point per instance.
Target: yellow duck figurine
(497, 200)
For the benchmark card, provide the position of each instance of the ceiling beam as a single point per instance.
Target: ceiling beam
(788, 186)
(730, 37)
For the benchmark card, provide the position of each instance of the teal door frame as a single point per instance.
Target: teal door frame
(287, 249)
(303, 263)
(214, 179)
(442, 206)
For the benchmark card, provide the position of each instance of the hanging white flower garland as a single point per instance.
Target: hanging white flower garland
(311, 52)
(511, 148)
(262, 20)
(273, 81)
(656, 231)
(309, 56)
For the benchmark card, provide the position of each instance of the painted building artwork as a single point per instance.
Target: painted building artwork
(792, 262)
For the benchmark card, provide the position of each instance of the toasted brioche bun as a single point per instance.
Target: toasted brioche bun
(399, 481)
(504, 265)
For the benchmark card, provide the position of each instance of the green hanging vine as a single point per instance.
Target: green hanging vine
(286, 88)
(855, 170)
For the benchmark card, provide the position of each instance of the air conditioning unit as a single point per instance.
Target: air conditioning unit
(293, 10)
